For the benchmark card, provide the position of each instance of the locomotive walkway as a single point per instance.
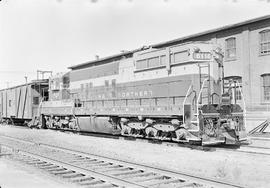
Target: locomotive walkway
(89, 170)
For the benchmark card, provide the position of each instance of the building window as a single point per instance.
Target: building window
(86, 90)
(113, 82)
(9, 103)
(82, 87)
(230, 52)
(265, 42)
(90, 85)
(106, 83)
(233, 85)
(266, 87)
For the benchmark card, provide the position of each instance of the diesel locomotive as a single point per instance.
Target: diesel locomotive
(173, 93)
(168, 93)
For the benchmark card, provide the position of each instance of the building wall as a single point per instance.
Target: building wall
(248, 64)
(259, 64)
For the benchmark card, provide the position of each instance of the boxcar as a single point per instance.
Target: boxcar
(20, 104)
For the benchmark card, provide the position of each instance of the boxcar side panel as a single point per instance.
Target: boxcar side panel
(23, 104)
(34, 99)
(28, 103)
(11, 102)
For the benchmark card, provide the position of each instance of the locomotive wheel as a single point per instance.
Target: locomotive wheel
(132, 132)
(72, 126)
(181, 134)
(157, 134)
(165, 135)
(49, 123)
(139, 133)
(148, 132)
(126, 130)
(151, 132)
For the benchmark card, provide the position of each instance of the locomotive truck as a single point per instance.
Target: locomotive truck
(169, 93)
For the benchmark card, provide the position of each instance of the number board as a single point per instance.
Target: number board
(202, 56)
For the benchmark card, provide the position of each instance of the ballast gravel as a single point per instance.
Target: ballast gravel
(249, 170)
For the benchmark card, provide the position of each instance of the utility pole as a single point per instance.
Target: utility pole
(25, 79)
(7, 84)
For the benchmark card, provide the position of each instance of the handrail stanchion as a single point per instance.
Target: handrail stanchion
(243, 100)
(185, 101)
(199, 96)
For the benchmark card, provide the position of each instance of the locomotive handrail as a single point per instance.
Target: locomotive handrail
(199, 96)
(198, 99)
(187, 94)
(39, 106)
(243, 99)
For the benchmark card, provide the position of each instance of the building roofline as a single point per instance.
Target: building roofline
(250, 21)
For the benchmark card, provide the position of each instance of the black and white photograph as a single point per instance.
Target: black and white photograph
(134, 93)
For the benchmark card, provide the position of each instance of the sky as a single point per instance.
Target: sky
(55, 34)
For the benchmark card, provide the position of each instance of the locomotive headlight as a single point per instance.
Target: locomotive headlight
(196, 49)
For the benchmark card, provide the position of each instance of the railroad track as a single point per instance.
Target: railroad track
(235, 148)
(250, 148)
(139, 139)
(142, 139)
(232, 148)
(90, 170)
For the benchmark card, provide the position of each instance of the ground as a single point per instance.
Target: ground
(16, 175)
(249, 170)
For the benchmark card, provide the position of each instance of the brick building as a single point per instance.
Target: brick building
(246, 48)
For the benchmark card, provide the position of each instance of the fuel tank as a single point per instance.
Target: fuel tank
(97, 124)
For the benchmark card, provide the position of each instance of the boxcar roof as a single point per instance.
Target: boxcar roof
(33, 82)
(167, 43)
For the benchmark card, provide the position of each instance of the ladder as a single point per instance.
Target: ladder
(198, 104)
(205, 88)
